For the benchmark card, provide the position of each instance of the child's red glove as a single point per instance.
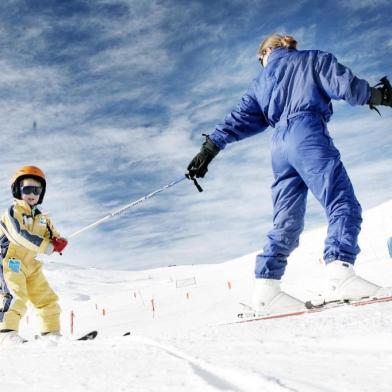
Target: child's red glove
(59, 244)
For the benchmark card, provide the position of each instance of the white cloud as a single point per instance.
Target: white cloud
(362, 4)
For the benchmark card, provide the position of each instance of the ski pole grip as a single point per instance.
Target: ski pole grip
(197, 185)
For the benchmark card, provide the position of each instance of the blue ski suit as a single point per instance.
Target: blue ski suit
(293, 94)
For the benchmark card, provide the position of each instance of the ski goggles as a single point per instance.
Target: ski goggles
(28, 189)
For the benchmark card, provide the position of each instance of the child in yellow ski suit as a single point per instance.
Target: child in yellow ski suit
(25, 232)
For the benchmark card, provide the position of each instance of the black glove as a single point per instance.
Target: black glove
(198, 165)
(381, 94)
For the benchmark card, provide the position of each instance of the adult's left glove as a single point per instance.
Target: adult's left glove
(198, 166)
(381, 94)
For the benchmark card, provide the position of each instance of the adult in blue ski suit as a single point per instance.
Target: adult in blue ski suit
(292, 94)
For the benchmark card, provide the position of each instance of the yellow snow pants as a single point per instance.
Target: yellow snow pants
(22, 280)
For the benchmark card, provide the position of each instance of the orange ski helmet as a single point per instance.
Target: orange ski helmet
(28, 172)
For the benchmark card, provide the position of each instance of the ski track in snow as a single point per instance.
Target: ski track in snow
(220, 378)
(182, 346)
(341, 350)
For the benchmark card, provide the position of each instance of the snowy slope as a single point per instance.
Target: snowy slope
(181, 346)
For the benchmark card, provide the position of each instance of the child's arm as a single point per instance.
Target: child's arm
(58, 242)
(14, 228)
(53, 233)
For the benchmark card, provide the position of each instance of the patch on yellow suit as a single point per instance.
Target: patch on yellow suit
(14, 265)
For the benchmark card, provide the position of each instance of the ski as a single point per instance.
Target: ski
(250, 316)
(89, 336)
(360, 302)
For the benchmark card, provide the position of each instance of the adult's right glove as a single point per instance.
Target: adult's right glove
(198, 167)
(381, 94)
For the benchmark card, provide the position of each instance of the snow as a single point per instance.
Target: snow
(182, 346)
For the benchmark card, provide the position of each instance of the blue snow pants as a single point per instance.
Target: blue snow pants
(304, 157)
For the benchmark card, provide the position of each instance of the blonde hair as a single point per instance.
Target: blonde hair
(276, 41)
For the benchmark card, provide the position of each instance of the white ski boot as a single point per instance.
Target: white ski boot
(11, 338)
(344, 285)
(54, 336)
(268, 298)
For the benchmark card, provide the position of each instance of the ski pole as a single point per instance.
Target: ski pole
(133, 204)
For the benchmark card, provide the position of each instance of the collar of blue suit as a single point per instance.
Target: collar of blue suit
(278, 53)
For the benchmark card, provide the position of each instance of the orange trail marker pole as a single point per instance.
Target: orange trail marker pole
(72, 321)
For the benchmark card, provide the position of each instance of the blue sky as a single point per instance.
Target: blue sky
(110, 98)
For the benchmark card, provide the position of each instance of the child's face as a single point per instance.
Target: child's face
(30, 197)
